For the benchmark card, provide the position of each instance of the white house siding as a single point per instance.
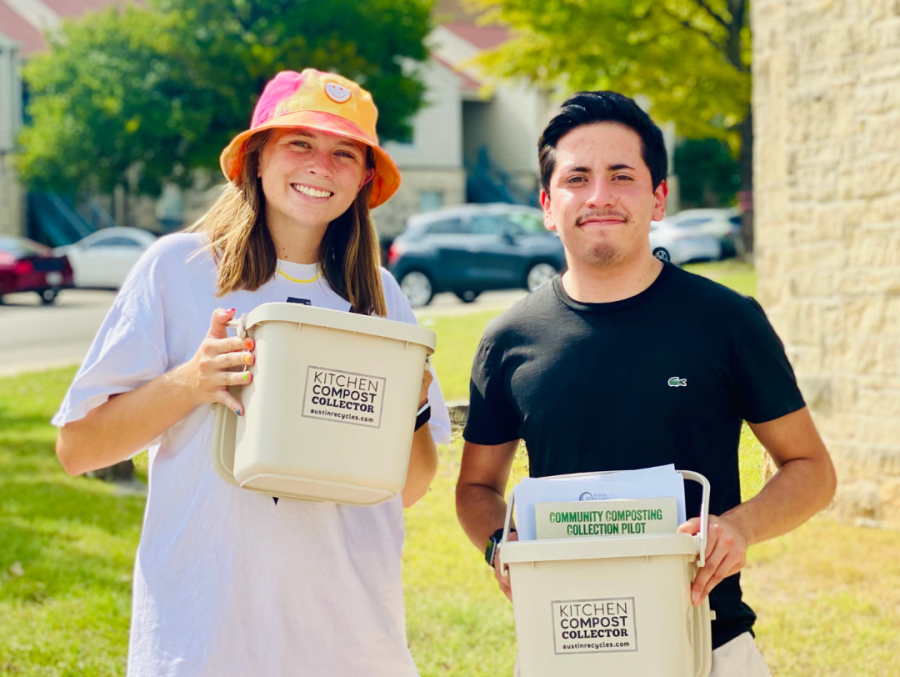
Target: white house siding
(432, 162)
(437, 127)
(509, 125)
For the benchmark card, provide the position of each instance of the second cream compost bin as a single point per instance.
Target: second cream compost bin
(610, 606)
(331, 410)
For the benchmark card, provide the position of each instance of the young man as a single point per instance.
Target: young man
(628, 362)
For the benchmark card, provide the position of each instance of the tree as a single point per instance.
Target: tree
(144, 95)
(707, 173)
(689, 58)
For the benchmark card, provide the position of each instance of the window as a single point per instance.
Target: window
(447, 227)
(531, 224)
(429, 200)
(487, 224)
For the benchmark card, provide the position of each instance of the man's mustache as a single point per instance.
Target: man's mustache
(594, 214)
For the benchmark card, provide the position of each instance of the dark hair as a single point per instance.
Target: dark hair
(587, 108)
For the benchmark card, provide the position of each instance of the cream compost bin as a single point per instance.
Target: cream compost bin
(331, 409)
(610, 606)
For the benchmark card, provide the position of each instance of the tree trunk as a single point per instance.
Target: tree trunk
(745, 166)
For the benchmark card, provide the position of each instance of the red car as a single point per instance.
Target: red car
(29, 266)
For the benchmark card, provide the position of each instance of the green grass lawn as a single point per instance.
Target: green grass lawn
(827, 595)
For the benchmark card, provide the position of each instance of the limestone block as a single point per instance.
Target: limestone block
(889, 497)
(858, 281)
(832, 316)
(878, 382)
(854, 462)
(804, 323)
(847, 466)
(844, 393)
(839, 427)
(882, 134)
(856, 500)
(883, 9)
(883, 212)
(875, 247)
(817, 392)
(879, 98)
(878, 430)
(773, 291)
(805, 359)
(865, 315)
(878, 402)
(883, 174)
(884, 63)
(867, 354)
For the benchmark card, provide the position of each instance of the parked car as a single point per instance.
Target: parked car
(103, 259)
(680, 245)
(29, 266)
(722, 224)
(469, 249)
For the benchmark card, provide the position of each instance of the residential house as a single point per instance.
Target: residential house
(475, 140)
(472, 141)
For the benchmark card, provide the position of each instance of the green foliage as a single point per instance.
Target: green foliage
(160, 90)
(689, 58)
(708, 174)
(458, 337)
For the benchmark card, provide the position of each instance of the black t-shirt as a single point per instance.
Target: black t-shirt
(666, 376)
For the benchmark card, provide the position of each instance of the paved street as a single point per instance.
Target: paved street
(36, 337)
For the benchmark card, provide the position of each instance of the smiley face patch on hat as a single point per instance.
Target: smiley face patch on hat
(337, 93)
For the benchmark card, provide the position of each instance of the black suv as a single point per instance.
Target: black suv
(469, 249)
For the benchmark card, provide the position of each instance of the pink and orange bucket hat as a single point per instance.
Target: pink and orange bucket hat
(325, 102)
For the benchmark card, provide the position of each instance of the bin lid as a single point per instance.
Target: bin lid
(343, 321)
(598, 548)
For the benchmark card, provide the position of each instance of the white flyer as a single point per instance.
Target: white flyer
(645, 483)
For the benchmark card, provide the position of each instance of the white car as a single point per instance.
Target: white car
(723, 224)
(670, 242)
(103, 259)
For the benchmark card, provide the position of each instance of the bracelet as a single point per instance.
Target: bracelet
(423, 416)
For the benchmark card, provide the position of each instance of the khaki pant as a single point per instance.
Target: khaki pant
(737, 658)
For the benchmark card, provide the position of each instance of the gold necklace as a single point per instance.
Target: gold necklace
(294, 279)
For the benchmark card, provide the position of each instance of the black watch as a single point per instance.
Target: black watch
(493, 543)
(423, 415)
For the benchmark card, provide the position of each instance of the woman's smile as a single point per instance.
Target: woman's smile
(317, 194)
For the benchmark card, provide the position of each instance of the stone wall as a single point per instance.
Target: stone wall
(827, 197)
(12, 200)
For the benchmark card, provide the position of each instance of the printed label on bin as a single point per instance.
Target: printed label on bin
(344, 396)
(594, 625)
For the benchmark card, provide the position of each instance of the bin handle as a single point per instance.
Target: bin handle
(704, 513)
(240, 325)
(700, 539)
(507, 524)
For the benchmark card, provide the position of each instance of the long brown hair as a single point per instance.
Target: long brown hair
(245, 253)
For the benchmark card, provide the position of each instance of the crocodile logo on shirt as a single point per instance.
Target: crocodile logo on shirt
(676, 382)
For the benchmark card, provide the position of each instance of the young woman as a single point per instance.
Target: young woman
(227, 581)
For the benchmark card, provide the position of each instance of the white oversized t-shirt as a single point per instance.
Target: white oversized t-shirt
(227, 583)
